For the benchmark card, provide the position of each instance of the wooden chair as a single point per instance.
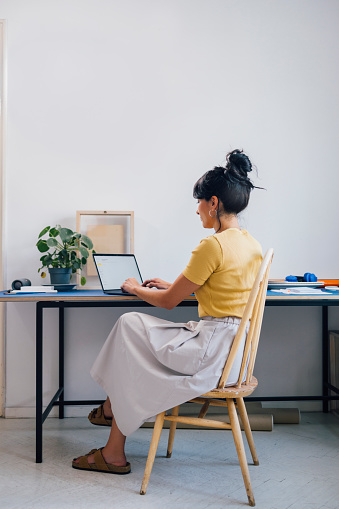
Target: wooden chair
(230, 397)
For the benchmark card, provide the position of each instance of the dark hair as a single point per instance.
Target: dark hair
(230, 184)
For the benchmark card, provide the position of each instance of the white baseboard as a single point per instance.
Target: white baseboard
(186, 409)
(29, 412)
(70, 411)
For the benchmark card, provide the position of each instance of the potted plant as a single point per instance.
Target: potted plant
(66, 253)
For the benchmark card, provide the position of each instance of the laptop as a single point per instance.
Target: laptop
(114, 269)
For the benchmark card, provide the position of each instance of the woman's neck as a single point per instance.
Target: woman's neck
(227, 221)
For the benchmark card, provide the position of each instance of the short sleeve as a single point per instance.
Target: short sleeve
(205, 260)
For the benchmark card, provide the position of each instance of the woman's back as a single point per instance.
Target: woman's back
(225, 265)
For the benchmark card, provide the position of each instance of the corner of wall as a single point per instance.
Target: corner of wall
(2, 198)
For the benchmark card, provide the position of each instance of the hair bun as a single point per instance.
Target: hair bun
(237, 167)
(238, 162)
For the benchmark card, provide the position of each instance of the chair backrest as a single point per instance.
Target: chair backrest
(253, 313)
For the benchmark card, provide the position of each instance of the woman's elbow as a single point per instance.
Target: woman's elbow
(170, 304)
(167, 303)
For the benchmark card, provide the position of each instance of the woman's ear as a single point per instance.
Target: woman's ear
(214, 201)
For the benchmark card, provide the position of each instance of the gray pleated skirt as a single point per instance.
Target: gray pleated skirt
(148, 365)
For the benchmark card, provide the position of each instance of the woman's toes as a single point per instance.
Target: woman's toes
(90, 459)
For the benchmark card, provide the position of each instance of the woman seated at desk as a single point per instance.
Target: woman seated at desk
(148, 365)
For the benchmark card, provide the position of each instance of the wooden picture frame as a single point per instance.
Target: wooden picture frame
(110, 231)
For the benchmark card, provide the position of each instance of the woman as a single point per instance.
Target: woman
(149, 365)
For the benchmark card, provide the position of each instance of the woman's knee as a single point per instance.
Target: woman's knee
(128, 318)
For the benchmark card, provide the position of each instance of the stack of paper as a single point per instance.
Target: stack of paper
(300, 290)
(35, 289)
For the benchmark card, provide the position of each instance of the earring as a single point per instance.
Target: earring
(215, 215)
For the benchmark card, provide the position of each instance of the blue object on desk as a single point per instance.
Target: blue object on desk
(308, 277)
(292, 279)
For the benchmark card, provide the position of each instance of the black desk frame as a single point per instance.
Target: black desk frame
(59, 397)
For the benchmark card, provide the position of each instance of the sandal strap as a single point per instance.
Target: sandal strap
(96, 412)
(97, 416)
(83, 460)
(100, 462)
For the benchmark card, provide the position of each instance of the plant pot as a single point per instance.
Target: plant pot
(60, 276)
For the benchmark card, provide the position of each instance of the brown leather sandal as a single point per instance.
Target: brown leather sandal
(97, 417)
(100, 464)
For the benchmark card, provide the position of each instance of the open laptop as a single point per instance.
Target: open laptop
(114, 269)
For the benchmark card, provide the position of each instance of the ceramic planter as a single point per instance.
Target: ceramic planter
(60, 276)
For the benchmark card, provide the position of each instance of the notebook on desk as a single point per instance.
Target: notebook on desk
(114, 269)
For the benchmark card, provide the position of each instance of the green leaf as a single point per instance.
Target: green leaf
(83, 261)
(66, 234)
(53, 232)
(42, 246)
(51, 242)
(45, 230)
(86, 241)
(83, 281)
(83, 251)
(46, 259)
(76, 265)
(64, 257)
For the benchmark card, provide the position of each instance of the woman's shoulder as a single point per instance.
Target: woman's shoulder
(234, 238)
(251, 239)
(210, 240)
(209, 244)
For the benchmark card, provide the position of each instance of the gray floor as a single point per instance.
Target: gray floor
(299, 468)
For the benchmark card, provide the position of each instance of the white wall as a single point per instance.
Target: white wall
(122, 105)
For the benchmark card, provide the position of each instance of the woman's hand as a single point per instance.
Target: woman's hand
(130, 285)
(156, 283)
(170, 294)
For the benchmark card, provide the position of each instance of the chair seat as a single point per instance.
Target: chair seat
(233, 392)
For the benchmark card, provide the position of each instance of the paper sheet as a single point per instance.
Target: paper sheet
(300, 290)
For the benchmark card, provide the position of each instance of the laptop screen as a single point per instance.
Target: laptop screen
(114, 269)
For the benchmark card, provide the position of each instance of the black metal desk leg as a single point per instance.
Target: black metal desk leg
(61, 361)
(325, 356)
(38, 381)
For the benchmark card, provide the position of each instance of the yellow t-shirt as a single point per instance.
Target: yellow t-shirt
(225, 265)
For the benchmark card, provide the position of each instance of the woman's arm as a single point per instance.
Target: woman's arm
(169, 298)
(155, 282)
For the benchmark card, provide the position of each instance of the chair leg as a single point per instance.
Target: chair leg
(204, 410)
(247, 428)
(152, 451)
(173, 426)
(239, 444)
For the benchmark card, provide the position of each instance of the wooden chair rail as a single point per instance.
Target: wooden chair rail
(196, 421)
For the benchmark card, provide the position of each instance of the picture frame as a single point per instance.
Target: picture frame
(110, 232)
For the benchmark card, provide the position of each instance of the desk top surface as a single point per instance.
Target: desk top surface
(98, 295)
